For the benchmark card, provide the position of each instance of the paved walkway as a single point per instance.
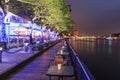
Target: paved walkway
(10, 60)
(35, 70)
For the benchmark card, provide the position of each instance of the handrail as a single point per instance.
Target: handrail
(84, 70)
(88, 78)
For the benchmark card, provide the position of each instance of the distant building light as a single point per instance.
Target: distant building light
(109, 38)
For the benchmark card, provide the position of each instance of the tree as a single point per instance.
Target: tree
(52, 12)
(21, 9)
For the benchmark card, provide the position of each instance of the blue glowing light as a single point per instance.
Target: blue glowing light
(3, 28)
(9, 21)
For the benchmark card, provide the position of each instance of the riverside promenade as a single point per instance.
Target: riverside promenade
(31, 65)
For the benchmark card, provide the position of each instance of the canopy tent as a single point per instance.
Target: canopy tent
(17, 26)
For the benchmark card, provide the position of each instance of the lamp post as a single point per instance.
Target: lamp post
(31, 35)
(1, 49)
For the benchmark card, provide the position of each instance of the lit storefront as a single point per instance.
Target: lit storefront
(17, 30)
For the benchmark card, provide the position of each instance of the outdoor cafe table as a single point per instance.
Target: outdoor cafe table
(64, 53)
(64, 48)
(65, 71)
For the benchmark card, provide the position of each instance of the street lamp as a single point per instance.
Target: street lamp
(1, 49)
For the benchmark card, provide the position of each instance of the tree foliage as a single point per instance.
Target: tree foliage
(21, 9)
(55, 13)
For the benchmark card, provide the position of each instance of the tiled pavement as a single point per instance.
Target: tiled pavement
(36, 69)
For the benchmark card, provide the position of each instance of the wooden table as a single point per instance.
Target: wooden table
(66, 71)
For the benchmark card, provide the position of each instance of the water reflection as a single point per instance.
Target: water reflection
(109, 45)
(101, 56)
(81, 45)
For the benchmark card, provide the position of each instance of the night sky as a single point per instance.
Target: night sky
(96, 17)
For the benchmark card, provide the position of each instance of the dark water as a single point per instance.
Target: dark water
(102, 57)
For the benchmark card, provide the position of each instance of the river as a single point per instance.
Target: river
(101, 56)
